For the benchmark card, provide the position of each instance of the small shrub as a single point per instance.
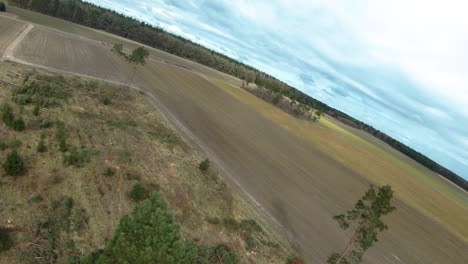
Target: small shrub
(36, 199)
(295, 260)
(231, 224)
(41, 147)
(218, 254)
(124, 156)
(204, 165)
(3, 146)
(109, 172)
(61, 136)
(2, 7)
(133, 175)
(40, 123)
(14, 165)
(106, 101)
(15, 143)
(7, 115)
(5, 239)
(63, 147)
(36, 110)
(138, 193)
(19, 125)
(78, 158)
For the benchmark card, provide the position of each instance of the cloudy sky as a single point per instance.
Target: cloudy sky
(401, 66)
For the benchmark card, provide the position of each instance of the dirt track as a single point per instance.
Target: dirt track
(291, 181)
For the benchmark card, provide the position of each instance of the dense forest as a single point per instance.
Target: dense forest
(104, 19)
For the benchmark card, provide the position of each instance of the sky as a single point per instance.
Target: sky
(400, 66)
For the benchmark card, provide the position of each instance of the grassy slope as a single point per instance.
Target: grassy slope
(417, 186)
(134, 138)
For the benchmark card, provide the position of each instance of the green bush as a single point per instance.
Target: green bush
(36, 110)
(19, 125)
(7, 115)
(41, 147)
(14, 165)
(78, 158)
(106, 101)
(138, 193)
(204, 165)
(109, 172)
(3, 146)
(61, 136)
(147, 235)
(15, 143)
(2, 7)
(218, 254)
(5, 239)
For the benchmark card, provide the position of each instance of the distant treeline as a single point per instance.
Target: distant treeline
(96, 17)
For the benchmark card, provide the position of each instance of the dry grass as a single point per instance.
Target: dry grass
(135, 154)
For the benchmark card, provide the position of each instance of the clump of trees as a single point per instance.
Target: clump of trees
(366, 219)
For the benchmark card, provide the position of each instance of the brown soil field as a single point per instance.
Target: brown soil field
(9, 29)
(299, 173)
(68, 53)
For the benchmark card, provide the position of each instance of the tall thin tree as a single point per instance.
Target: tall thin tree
(366, 218)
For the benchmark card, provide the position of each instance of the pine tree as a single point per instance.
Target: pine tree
(147, 235)
(14, 165)
(7, 115)
(366, 215)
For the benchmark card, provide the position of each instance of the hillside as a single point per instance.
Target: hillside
(98, 145)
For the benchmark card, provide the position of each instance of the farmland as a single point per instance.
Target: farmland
(298, 172)
(9, 29)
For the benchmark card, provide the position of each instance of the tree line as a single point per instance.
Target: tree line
(93, 16)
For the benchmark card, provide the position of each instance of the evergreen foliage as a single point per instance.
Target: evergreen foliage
(7, 115)
(41, 147)
(204, 165)
(14, 165)
(138, 193)
(148, 235)
(19, 125)
(5, 239)
(366, 217)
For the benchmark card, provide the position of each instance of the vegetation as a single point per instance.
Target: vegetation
(78, 158)
(96, 17)
(41, 147)
(14, 164)
(19, 125)
(204, 165)
(2, 7)
(5, 239)
(138, 193)
(7, 115)
(147, 235)
(366, 215)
